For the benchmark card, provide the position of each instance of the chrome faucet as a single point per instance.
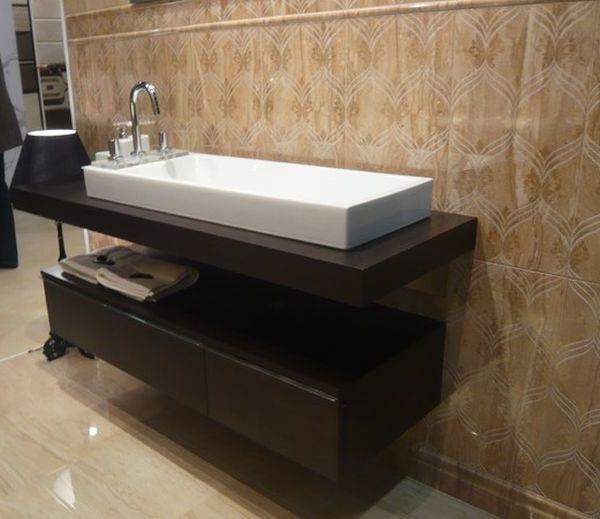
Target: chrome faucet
(150, 89)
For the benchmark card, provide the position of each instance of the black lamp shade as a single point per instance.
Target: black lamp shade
(50, 156)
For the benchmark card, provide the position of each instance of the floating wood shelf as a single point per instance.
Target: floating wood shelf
(357, 277)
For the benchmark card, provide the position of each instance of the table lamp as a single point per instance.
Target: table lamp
(50, 157)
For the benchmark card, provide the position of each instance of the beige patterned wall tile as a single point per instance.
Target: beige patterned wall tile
(106, 96)
(537, 367)
(240, 9)
(549, 133)
(170, 15)
(201, 11)
(282, 88)
(135, 61)
(182, 12)
(209, 100)
(490, 349)
(300, 98)
(244, 71)
(425, 64)
(584, 258)
(82, 79)
(319, 107)
(73, 7)
(398, 95)
(525, 124)
(424, 48)
(172, 76)
(558, 430)
(131, 18)
(124, 17)
(77, 27)
(489, 47)
(108, 22)
(373, 93)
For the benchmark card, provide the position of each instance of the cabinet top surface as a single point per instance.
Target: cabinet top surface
(355, 276)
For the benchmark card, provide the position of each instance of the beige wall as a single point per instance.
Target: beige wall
(500, 105)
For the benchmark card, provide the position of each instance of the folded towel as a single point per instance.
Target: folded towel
(147, 279)
(140, 277)
(85, 266)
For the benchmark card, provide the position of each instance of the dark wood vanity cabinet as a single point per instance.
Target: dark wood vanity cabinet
(127, 341)
(289, 418)
(281, 341)
(323, 384)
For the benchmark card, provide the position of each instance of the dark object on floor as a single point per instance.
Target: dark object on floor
(55, 347)
(10, 137)
(8, 242)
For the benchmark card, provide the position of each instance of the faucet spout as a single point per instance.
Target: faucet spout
(150, 89)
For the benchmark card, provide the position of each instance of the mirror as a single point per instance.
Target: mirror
(39, 28)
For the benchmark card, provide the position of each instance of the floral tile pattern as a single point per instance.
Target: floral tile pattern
(536, 365)
(499, 105)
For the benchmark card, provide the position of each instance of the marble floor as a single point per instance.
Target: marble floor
(23, 323)
(79, 438)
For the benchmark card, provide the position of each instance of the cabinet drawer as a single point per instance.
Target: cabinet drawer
(292, 420)
(171, 363)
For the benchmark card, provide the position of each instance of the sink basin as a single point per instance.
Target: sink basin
(328, 206)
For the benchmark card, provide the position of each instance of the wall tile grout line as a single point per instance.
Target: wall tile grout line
(538, 272)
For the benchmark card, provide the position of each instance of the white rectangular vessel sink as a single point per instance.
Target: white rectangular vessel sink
(328, 206)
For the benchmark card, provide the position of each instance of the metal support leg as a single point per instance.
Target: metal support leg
(55, 347)
(61, 241)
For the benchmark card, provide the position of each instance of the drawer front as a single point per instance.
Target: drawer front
(289, 419)
(172, 364)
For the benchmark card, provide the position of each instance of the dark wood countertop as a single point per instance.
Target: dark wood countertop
(357, 277)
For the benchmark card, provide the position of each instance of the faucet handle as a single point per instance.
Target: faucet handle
(114, 149)
(162, 141)
(121, 127)
(122, 131)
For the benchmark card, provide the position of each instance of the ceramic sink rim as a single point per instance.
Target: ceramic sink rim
(411, 181)
(333, 207)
